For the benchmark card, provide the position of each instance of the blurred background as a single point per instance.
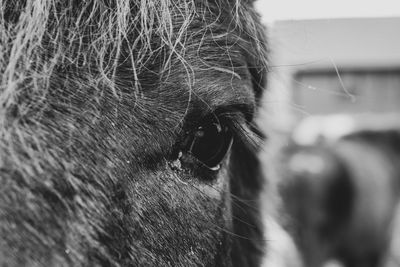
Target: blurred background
(331, 57)
(340, 56)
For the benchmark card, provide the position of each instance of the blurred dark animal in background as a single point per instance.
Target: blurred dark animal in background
(340, 188)
(127, 134)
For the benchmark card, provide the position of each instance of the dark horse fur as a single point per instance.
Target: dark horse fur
(95, 99)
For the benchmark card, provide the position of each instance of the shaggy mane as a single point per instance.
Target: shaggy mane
(39, 35)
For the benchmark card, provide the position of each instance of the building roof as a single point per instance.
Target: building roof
(342, 43)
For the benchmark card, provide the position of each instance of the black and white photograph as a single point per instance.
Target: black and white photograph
(210, 133)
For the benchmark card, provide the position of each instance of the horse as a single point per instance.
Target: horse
(128, 134)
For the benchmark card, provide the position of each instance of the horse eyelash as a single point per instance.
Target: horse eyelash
(245, 133)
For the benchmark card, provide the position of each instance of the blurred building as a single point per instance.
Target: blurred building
(335, 66)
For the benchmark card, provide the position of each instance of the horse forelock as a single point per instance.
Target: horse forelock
(38, 36)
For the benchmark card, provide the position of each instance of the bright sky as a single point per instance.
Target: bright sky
(272, 10)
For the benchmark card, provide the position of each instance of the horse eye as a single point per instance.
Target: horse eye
(209, 144)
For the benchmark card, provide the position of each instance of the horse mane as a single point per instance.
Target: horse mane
(39, 35)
